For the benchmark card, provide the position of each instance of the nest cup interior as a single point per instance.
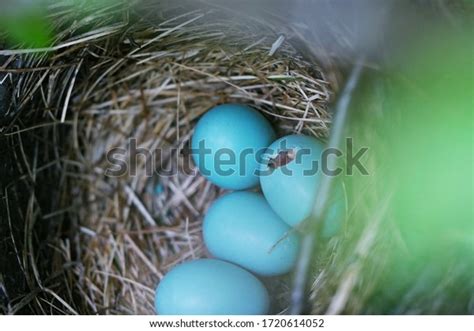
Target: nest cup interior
(149, 219)
(144, 85)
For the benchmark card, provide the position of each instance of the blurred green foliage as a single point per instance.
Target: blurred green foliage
(30, 29)
(432, 140)
(425, 156)
(26, 22)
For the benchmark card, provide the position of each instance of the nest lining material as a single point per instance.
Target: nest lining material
(151, 83)
(132, 234)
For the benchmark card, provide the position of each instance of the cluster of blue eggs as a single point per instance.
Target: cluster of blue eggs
(248, 233)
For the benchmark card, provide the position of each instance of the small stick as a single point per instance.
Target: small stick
(299, 291)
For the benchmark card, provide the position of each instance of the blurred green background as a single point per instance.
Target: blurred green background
(420, 132)
(26, 22)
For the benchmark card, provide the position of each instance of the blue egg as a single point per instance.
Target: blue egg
(242, 228)
(210, 287)
(159, 188)
(335, 213)
(290, 175)
(227, 144)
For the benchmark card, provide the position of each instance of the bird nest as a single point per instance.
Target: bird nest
(90, 241)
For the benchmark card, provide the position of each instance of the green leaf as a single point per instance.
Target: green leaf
(31, 29)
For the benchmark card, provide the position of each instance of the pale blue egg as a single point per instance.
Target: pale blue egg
(290, 176)
(210, 287)
(159, 189)
(336, 212)
(242, 228)
(227, 143)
